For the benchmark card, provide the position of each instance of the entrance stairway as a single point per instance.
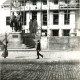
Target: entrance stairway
(28, 41)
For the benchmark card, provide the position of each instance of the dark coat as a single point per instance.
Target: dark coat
(38, 46)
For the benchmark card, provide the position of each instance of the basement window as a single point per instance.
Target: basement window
(55, 32)
(66, 32)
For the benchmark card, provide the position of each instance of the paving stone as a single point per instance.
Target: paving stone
(40, 71)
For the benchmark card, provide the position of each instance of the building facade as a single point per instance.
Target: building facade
(54, 17)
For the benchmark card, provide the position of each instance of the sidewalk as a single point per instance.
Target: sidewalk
(48, 55)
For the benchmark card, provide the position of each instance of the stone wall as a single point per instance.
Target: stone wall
(63, 43)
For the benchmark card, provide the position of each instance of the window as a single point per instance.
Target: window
(44, 2)
(34, 2)
(34, 15)
(67, 1)
(55, 18)
(8, 20)
(55, 32)
(23, 3)
(66, 32)
(23, 14)
(44, 32)
(55, 1)
(44, 17)
(66, 17)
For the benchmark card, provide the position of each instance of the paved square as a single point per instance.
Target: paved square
(36, 70)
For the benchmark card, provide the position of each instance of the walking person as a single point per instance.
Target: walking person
(38, 49)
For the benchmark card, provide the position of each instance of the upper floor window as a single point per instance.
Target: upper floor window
(23, 3)
(34, 2)
(34, 15)
(66, 17)
(23, 17)
(67, 1)
(55, 1)
(44, 17)
(55, 18)
(44, 2)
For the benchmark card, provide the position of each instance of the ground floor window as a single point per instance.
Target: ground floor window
(34, 15)
(7, 20)
(23, 14)
(55, 32)
(66, 32)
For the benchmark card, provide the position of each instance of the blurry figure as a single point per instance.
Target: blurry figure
(4, 48)
(31, 26)
(35, 25)
(38, 49)
(19, 25)
(13, 21)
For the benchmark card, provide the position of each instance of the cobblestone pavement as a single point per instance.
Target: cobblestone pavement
(37, 70)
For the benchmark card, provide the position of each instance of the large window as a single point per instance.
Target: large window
(34, 2)
(55, 1)
(23, 3)
(55, 18)
(66, 17)
(66, 32)
(44, 2)
(23, 14)
(34, 15)
(8, 20)
(44, 17)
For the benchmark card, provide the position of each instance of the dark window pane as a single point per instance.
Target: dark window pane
(34, 2)
(55, 32)
(66, 32)
(23, 18)
(34, 15)
(55, 18)
(45, 18)
(66, 17)
(55, 1)
(44, 2)
(7, 20)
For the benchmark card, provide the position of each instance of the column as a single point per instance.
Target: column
(60, 33)
(72, 23)
(27, 24)
(39, 20)
(48, 18)
(61, 18)
(28, 17)
(51, 18)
